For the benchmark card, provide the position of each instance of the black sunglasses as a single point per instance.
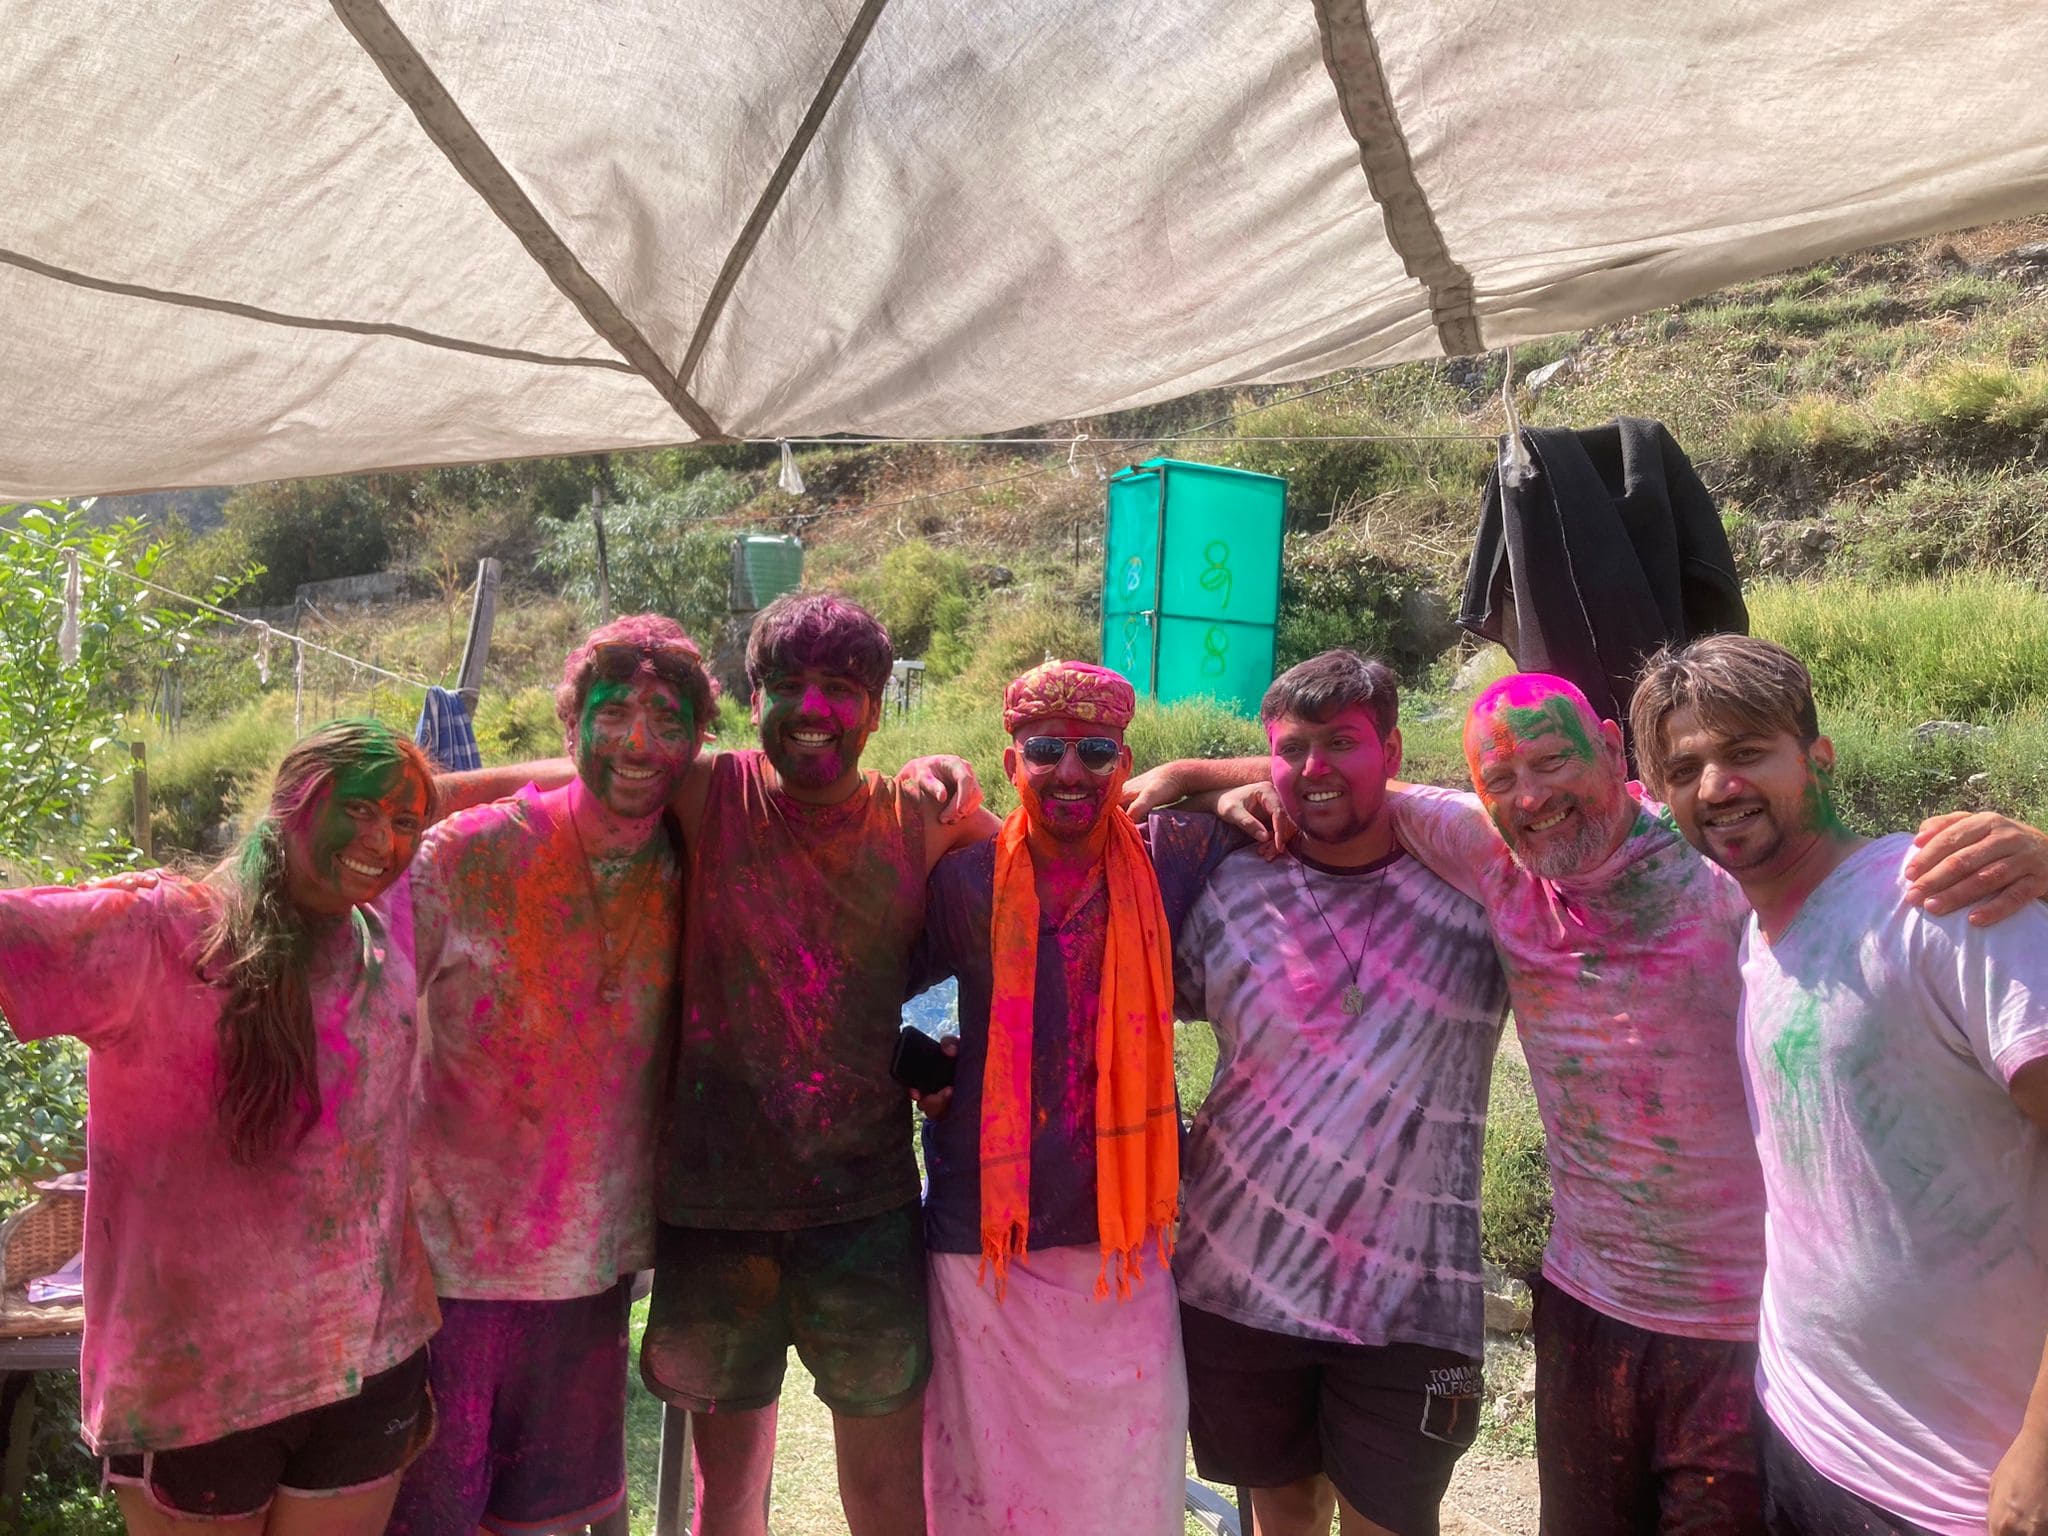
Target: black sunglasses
(619, 661)
(1099, 754)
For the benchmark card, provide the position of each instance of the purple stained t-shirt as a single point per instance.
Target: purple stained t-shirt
(956, 943)
(1626, 989)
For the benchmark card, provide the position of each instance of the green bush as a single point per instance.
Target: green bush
(202, 780)
(1335, 592)
(665, 554)
(517, 727)
(309, 530)
(924, 596)
(1948, 520)
(1514, 1189)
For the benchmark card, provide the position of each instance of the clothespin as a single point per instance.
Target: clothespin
(789, 479)
(74, 596)
(1073, 448)
(262, 652)
(1515, 463)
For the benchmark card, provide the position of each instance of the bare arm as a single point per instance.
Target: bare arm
(1170, 782)
(480, 786)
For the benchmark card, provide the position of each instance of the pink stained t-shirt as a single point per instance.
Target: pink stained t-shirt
(544, 1058)
(217, 1297)
(1906, 1299)
(1626, 990)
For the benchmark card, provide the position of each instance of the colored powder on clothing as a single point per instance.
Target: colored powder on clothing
(189, 1336)
(549, 979)
(1905, 1187)
(1626, 989)
(802, 917)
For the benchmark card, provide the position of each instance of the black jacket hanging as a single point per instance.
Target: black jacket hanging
(1607, 549)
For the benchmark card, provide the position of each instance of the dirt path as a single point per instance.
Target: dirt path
(1492, 1496)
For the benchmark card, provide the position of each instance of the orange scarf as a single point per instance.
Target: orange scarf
(1137, 1125)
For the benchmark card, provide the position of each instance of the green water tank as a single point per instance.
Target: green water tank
(764, 566)
(1191, 581)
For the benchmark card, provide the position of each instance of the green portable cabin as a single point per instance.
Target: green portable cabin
(1191, 581)
(764, 566)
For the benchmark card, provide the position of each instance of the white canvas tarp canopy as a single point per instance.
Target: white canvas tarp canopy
(243, 239)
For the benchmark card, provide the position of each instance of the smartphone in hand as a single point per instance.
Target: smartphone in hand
(920, 1062)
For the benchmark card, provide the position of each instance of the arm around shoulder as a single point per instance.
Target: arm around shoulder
(480, 786)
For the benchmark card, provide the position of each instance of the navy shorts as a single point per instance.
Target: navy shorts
(348, 1446)
(850, 1298)
(532, 1397)
(1385, 1423)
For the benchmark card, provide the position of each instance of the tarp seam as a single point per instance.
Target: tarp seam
(303, 322)
(457, 138)
(1352, 57)
(771, 195)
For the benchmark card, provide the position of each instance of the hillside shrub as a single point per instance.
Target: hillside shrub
(517, 727)
(1336, 592)
(1949, 520)
(201, 780)
(665, 554)
(309, 530)
(924, 596)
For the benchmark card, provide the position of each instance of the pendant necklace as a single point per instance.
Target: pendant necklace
(609, 988)
(1354, 995)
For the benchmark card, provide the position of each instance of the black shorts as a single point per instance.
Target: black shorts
(343, 1447)
(729, 1305)
(1385, 1423)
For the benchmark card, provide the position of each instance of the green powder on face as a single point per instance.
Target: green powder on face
(1555, 714)
(1817, 802)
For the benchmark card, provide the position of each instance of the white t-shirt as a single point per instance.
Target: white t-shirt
(1626, 989)
(1906, 1275)
(1331, 1180)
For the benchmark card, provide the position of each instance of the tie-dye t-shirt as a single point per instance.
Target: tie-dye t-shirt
(544, 1054)
(1331, 1180)
(220, 1297)
(1064, 1001)
(796, 952)
(1626, 989)
(1906, 1285)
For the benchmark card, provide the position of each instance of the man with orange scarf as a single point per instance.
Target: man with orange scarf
(1058, 1399)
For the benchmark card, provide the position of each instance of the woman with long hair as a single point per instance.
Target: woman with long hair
(257, 1297)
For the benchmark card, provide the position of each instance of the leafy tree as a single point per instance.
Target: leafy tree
(664, 553)
(312, 530)
(55, 722)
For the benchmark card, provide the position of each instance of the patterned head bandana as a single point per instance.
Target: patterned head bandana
(1076, 689)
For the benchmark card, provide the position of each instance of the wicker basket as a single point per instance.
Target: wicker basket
(39, 1239)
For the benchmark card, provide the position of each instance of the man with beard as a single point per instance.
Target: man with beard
(787, 1191)
(1328, 1264)
(1053, 1164)
(1619, 945)
(546, 929)
(1897, 1073)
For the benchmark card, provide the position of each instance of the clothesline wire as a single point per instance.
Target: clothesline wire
(219, 612)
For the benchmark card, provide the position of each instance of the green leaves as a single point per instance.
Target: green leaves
(58, 724)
